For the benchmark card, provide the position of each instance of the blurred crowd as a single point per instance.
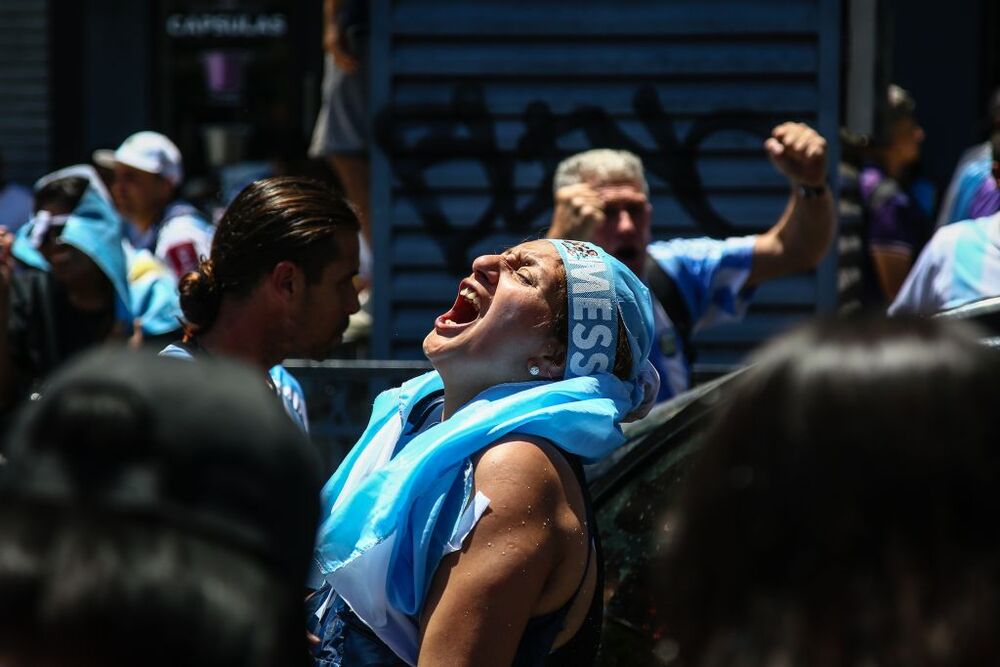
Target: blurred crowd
(160, 502)
(913, 262)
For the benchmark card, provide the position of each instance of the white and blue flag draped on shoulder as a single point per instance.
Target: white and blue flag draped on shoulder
(392, 513)
(380, 510)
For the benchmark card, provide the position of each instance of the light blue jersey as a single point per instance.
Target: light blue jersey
(711, 275)
(180, 239)
(961, 264)
(973, 167)
(285, 385)
(292, 396)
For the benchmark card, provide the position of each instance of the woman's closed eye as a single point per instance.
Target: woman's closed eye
(525, 276)
(514, 264)
(522, 273)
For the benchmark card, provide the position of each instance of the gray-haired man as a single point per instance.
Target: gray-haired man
(602, 196)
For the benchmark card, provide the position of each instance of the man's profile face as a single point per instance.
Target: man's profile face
(139, 194)
(907, 136)
(627, 218)
(328, 303)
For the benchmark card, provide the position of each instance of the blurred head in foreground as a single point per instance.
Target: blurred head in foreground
(157, 512)
(842, 509)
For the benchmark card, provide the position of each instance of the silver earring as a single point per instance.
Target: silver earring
(534, 370)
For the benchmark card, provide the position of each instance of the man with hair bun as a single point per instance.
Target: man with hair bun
(279, 282)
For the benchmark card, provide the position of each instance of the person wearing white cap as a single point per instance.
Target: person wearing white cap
(148, 169)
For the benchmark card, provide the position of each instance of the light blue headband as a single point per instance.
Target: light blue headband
(593, 307)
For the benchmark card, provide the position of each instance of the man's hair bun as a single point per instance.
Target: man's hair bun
(200, 297)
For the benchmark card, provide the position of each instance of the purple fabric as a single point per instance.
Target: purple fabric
(986, 201)
(893, 221)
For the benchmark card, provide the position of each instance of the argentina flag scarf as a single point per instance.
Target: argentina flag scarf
(374, 544)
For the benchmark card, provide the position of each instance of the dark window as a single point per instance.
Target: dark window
(633, 495)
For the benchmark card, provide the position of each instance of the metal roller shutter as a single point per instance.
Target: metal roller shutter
(474, 104)
(24, 88)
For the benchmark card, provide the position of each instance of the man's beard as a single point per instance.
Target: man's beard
(323, 352)
(627, 254)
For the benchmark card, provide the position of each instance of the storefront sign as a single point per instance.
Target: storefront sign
(226, 25)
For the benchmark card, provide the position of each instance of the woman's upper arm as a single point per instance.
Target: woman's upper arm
(482, 596)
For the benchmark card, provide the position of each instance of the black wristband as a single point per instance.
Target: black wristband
(812, 191)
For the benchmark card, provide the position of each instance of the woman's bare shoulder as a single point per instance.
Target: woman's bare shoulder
(525, 465)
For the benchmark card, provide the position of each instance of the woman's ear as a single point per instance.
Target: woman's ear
(552, 362)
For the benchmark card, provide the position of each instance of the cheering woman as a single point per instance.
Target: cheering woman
(458, 530)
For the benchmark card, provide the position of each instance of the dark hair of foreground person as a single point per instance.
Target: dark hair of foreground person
(843, 507)
(155, 512)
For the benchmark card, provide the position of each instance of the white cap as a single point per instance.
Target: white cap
(146, 151)
(76, 171)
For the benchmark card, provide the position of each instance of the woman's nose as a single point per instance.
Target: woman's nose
(487, 268)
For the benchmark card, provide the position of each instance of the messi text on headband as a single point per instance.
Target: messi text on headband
(593, 309)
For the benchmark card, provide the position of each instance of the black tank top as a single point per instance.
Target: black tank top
(535, 648)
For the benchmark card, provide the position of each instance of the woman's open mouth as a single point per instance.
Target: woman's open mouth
(466, 311)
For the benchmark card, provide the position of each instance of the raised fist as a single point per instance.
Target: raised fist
(579, 210)
(799, 153)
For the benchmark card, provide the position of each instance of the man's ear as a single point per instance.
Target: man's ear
(287, 281)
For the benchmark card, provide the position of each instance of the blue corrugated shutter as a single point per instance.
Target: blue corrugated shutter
(475, 103)
(24, 81)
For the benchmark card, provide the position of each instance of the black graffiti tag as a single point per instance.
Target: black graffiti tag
(466, 130)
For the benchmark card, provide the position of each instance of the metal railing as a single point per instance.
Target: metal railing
(339, 396)
(340, 392)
